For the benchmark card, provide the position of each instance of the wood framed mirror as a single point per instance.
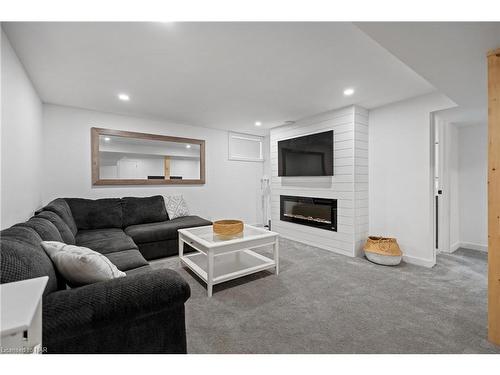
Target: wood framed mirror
(129, 158)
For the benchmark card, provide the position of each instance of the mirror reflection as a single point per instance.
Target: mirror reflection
(128, 158)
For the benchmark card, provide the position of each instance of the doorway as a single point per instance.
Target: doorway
(441, 162)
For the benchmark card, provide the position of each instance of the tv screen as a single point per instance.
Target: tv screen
(311, 155)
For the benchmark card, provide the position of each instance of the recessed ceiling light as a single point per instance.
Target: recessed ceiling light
(107, 139)
(258, 123)
(188, 146)
(348, 92)
(124, 97)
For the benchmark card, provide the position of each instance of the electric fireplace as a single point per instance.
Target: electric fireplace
(314, 212)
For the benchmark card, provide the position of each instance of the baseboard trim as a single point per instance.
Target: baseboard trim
(428, 263)
(455, 247)
(474, 246)
(322, 247)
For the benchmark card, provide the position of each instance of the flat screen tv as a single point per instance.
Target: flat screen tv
(310, 155)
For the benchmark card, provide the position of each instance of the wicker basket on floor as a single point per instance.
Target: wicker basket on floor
(383, 250)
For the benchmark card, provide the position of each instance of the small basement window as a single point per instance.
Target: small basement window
(245, 147)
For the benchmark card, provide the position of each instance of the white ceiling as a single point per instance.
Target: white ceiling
(221, 75)
(451, 55)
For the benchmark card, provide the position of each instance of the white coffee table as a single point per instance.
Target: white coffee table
(218, 260)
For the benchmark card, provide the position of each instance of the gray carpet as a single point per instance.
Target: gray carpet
(327, 303)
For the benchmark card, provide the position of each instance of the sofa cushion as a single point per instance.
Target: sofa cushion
(66, 233)
(139, 270)
(143, 210)
(127, 259)
(105, 241)
(61, 208)
(45, 229)
(162, 249)
(165, 230)
(24, 258)
(96, 214)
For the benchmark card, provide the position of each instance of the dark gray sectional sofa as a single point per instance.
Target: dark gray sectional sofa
(140, 313)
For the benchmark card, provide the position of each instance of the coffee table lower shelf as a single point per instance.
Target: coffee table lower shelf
(227, 266)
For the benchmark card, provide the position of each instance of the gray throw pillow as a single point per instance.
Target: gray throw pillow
(80, 265)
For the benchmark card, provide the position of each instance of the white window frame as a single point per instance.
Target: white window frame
(247, 137)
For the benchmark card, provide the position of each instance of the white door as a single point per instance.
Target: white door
(128, 168)
(441, 186)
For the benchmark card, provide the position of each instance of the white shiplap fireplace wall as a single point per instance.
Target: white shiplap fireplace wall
(349, 185)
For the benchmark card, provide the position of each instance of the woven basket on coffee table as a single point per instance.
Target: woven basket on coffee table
(383, 250)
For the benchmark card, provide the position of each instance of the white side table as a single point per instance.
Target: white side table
(21, 316)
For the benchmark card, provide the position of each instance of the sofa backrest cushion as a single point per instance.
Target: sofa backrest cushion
(24, 258)
(61, 208)
(96, 214)
(45, 229)
(143, 210)
(62, 227)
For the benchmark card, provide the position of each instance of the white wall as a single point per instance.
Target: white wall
(232, 188)
(473, 186)
(349, 185)
(21, 141)
(400, 192)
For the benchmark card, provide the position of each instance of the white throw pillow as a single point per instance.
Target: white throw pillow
(80, 265)
(176, 206)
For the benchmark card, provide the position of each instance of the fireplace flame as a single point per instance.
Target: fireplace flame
(309, 218)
